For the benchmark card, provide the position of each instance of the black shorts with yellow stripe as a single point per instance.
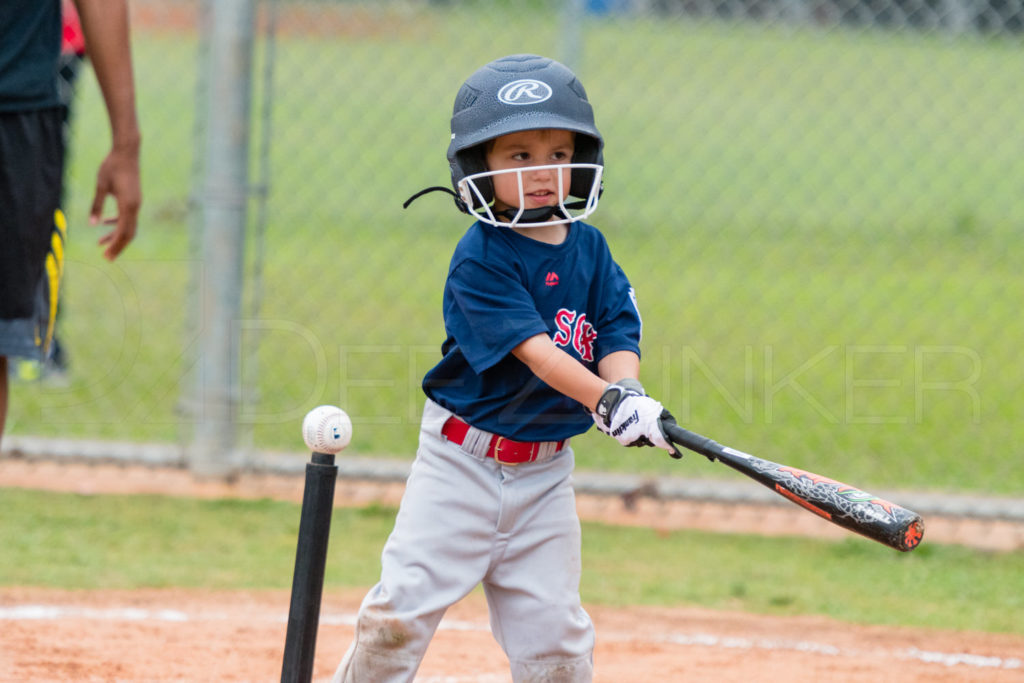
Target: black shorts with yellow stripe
(32, 230)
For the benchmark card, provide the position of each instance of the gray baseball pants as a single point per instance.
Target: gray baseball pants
(464, 520)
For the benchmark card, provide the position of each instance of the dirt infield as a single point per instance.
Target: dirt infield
(199, 635)
(194, 635)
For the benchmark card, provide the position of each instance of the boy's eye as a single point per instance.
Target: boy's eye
(527, 157)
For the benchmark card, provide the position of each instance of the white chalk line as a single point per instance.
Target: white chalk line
(55, 612)
(129, 614)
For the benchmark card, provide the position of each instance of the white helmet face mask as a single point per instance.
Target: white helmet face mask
(561, 213)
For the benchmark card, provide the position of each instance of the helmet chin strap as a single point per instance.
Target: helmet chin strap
(538, 215)
(437, 188)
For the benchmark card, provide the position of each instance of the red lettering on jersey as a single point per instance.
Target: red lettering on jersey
(574, 330)
(583, 338)
(563, 322)
(551, 279)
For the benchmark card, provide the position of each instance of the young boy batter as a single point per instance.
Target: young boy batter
(543, 340)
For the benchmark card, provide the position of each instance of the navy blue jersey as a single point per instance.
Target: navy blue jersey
(30, 34)
(504, 288)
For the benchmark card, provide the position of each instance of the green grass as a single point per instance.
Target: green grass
(822, 228)
(82, 542)
(75, 541)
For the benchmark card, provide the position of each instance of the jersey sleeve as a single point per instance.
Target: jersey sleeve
(619, 326)
(488, 311)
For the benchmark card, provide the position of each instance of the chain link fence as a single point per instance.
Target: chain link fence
(818, 201)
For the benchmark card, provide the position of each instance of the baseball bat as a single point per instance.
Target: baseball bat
(310, 563)
(839, 503)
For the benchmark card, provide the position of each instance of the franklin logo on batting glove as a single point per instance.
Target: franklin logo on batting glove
(631, 418)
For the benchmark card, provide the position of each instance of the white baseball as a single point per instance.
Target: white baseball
(327, 429)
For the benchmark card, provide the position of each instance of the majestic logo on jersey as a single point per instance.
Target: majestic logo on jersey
(524, 91)
(551, 279)
(573, 330)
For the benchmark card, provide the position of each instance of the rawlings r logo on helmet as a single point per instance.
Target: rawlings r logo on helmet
(525, 91)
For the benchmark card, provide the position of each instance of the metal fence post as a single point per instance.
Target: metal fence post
(224, 198)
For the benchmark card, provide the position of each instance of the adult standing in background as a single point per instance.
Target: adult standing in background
(72, 54)
(31, 162)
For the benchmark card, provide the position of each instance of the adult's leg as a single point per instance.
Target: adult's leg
(31, 160)
(3, 396)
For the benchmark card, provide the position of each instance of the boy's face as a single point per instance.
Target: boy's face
(523, 150)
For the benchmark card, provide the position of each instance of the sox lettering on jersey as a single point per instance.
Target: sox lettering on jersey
(574, 330)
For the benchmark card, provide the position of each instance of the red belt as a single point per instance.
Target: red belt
(504, 451)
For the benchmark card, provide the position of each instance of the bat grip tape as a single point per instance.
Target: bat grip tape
(692, 441)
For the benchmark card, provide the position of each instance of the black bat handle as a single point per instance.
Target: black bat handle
(692, 441)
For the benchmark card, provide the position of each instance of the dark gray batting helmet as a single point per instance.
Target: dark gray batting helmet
(517, 93)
